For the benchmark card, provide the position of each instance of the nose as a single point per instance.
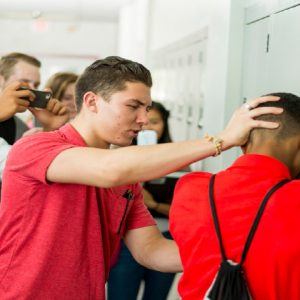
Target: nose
(142, 117)
(31, 85)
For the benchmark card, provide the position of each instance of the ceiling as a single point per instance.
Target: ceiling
(85, 10)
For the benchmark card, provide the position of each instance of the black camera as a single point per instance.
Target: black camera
(41, 98)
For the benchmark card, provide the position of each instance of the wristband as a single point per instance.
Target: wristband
(217, 143)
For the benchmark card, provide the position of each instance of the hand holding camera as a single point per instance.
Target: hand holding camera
(12, 102)
(40, 100)
(50, 112)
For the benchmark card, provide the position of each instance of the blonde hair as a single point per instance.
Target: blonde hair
(58, 83)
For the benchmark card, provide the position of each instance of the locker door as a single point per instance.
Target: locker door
(255, 62)
(171, 88)
(190, 90)
(196, 89)
(196, 94)
(178, 129)
(284, 68)
(284, 4)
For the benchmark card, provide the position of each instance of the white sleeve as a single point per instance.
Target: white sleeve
(4, 149)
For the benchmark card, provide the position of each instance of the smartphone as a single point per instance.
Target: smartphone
(41, 98)
(147, 137)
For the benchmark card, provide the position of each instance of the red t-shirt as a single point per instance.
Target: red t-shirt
(272, 266)
(57, 240)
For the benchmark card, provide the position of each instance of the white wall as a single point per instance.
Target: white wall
(133, 36)
(60, 45)
(171, 21)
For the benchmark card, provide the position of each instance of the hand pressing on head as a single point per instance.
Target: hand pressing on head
(244, 120)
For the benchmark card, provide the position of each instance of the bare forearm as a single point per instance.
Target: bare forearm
(163, 208)
(152, 250)
(161, 256)
(107, 168)
(142, 163)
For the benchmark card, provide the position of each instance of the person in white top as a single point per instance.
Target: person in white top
(4, 149)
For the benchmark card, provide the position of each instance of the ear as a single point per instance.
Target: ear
(296, 163)
(90, 101)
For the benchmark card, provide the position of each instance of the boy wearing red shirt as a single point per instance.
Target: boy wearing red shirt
(68, 198)
(272, 265)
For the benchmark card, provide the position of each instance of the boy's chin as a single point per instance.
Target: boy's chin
(122, 144)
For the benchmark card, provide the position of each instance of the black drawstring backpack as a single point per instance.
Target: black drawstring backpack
(230, 282)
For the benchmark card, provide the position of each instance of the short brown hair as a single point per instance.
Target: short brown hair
(7, 62)
(58, 83)
(109, 75)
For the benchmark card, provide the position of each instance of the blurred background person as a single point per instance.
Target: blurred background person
(62, 85)
(4, 149)
(126, 274)
(16, 67)
(23, 70)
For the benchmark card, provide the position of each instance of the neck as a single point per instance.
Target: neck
(286, 151)
(84, 126)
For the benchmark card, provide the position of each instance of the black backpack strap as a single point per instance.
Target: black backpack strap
(258, 216)
(214, 214)
(255, 223)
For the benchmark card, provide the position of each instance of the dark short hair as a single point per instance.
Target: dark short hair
(109, 75)
(165, 137)
(289, 120)
(7, 62)
(165, 114)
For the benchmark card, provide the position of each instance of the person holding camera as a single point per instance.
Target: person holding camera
(18, 70)
(68, 199)
(21, 70)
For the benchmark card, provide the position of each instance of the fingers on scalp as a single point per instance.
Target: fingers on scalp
(265, 124)
(264, 111)
(255, 102)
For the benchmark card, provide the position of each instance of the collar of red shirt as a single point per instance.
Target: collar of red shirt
(262, 164)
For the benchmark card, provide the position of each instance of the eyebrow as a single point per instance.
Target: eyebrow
(140, 102)
(28, 81)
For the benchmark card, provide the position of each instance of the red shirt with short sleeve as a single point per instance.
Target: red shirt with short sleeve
(272, 265)
(57, 240)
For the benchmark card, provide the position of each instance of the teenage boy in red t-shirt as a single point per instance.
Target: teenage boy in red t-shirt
(272, 265)
(68, 198)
